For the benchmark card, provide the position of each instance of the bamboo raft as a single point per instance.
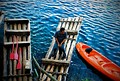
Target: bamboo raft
(21, 29)
(57, 67)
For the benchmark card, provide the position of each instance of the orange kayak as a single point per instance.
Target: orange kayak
(100, 62)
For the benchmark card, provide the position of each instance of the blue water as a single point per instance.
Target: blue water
(100, 28)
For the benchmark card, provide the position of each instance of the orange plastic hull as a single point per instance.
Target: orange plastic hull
(100, 62)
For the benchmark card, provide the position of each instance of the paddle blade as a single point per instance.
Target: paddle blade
(19, 66)
(15, 56)
(11, 56)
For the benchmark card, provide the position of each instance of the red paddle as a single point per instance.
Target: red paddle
(19, 66)
(16, 54)
(12, 53)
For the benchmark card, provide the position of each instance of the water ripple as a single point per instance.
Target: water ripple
(100, 27)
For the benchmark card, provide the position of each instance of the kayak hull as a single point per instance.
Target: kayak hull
(99, 61)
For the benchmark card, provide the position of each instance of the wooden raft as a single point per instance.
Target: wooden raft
(57, 67)
(19, 28)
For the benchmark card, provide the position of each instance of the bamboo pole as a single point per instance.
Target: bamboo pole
(14, 62)
(42, 70)
(5, 53)
(24, 54)
(73, 44)
(10, 65)
(67, 46)
(20, 54)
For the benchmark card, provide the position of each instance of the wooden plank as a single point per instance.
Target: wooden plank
(72, 32)
(57, 73)
(18, 31)
(69, 21)
(71, 39)
(16, 20)
(20, 43)
(55, 62)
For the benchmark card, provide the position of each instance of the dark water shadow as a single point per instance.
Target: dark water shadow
(95, 71)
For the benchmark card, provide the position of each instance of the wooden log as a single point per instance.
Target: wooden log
(71, 50)
(19, 31)
(10, 65)
(20, 54)
(71, 39)
(55, 62)
(62, 67)
(57, 73)
(43, 70)
(1, 16)
(74, 41)
(57, 69)
(51, 70)
(72, 32)
(17, 75)
(24, 54)
(20, 43)
(16, 20)
(14, 62)
(4, 62)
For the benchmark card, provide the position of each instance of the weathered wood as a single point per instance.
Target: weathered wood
(20, 43)
(18, 31)
(15, 61)
(71, 39)
(67, 46)
(20, 54)
(10, 61)
(4, 62)
(57, 73)
(24, 55)
(16, 20)
(72, 32)
(57, 67)
(55, 62)
(18, 75)
(43, 70)
(73, 44)
(1, 16)
(66, 26)
(19, 28)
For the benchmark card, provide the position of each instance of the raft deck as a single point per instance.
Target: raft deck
(58, 67)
